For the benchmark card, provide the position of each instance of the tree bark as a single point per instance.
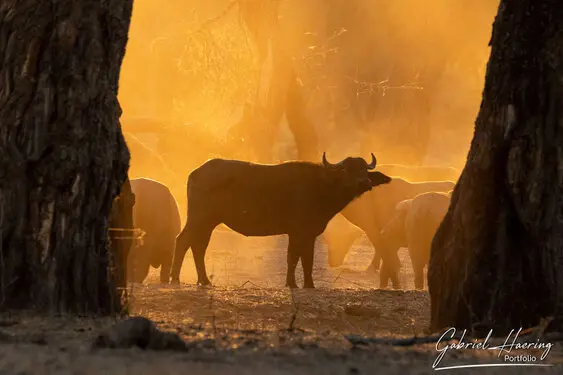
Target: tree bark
(63, 156)
(497, 256)
(121, 235)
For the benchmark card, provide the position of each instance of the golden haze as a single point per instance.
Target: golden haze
(191, 65)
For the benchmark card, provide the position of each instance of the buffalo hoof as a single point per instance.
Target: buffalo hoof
(204, 283)
(292, 285)
(175, 281)
(204, 287)
(309, 286)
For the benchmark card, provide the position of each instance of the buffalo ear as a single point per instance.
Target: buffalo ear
(378, 178)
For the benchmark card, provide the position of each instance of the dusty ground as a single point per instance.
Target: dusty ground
(242, 325)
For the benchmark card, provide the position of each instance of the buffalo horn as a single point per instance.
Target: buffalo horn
(373, 162)
(325, 162)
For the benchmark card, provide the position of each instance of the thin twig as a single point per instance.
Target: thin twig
(213, 317)
(251, 283)
(357, 340)
(202, 27)
(294, 314)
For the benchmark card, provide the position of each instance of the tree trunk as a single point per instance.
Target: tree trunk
(497, 257)
(121, 234)
(279, 91)
(63, 156)
(303, 130)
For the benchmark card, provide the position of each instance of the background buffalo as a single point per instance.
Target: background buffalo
(156, 213)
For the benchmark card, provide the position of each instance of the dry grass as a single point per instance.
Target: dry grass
(246, 327)
(250, 334)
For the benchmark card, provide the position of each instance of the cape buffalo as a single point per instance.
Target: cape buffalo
(340, 234)
(295, 198)
(372, 211)
(156, 213)
(413, 226)
(120, 226)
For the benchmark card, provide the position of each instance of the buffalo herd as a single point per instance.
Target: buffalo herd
(395, 206)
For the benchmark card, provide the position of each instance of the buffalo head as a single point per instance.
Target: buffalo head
(357, 174)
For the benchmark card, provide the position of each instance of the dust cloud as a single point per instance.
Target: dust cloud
(400, 78)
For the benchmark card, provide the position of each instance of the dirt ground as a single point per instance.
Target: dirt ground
(249, 323)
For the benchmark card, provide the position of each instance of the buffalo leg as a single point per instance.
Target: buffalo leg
(384, 276)
(417, 266)
(375, 264)
(307, 259)
(390, 269)
(292, 260)
(388, 273)
(419, 278)
(376, 242)
(183, 243)
(395, 272)
(395, 267)
(166, 265)
(199, 248)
